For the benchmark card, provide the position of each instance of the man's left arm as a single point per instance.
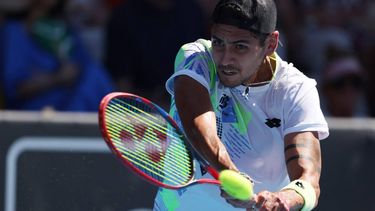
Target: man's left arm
(303, 161)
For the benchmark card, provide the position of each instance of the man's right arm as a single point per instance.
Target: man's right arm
(199, 122)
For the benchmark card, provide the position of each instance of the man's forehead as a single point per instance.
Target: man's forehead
(231, 33)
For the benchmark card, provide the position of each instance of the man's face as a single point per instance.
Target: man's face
(237, 54)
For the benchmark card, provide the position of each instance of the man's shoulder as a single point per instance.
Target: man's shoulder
(200, 45)
(198, 51)
(290, 75)
(291, 81)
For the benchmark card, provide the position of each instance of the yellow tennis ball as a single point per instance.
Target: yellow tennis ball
(236, 185)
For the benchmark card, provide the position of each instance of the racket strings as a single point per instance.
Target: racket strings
(152, 171)
(140, 150)
(155, 122)
(138, 157)
(170, 133)
(145, 144)
(142, 145)
(167, 132)
(123, 116)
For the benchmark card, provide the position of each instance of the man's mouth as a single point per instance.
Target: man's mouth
(228, 71)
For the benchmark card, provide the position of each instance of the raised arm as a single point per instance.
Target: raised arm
(199, 122)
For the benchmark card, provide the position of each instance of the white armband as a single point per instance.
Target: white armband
(307, 192)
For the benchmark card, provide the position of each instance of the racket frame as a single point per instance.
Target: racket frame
(193, 153)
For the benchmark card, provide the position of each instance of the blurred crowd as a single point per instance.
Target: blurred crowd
(67, 54)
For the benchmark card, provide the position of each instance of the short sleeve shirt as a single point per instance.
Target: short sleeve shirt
(251, 123)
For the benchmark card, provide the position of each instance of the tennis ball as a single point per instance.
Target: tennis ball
(236, 185)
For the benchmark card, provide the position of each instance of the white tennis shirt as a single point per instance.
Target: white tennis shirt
(252, 126)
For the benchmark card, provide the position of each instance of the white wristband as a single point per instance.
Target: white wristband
(307, 192)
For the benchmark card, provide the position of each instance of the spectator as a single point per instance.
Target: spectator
(320, 34)
(45, 64)
(369, 62)
(1, 60)
(113, 3)
(314, 26)
(6, 7)
(143, 36)
(207, 7)
(343, 86)
(365, 43)
(12, 6)
(89, 18)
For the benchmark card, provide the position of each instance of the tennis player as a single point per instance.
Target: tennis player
(248, 110)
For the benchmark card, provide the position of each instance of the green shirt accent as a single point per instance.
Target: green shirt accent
(170, 199)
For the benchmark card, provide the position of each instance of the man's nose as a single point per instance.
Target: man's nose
(226, 57)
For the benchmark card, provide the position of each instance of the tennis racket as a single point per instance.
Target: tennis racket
(148, 141)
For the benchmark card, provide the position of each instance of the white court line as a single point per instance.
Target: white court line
(43, 144)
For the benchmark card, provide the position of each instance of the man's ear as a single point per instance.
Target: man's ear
(272, 42)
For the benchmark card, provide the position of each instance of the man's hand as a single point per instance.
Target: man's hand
(263, 201)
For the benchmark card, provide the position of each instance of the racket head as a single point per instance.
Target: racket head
(146, 140)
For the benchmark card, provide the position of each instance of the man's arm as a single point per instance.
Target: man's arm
(199, 122)
(303, 160)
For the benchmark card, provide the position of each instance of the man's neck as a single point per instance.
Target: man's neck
(264, 74)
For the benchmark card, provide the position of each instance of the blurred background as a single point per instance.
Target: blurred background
(58, 58)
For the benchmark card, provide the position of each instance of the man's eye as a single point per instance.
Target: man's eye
(216, 43)
(241, 47)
